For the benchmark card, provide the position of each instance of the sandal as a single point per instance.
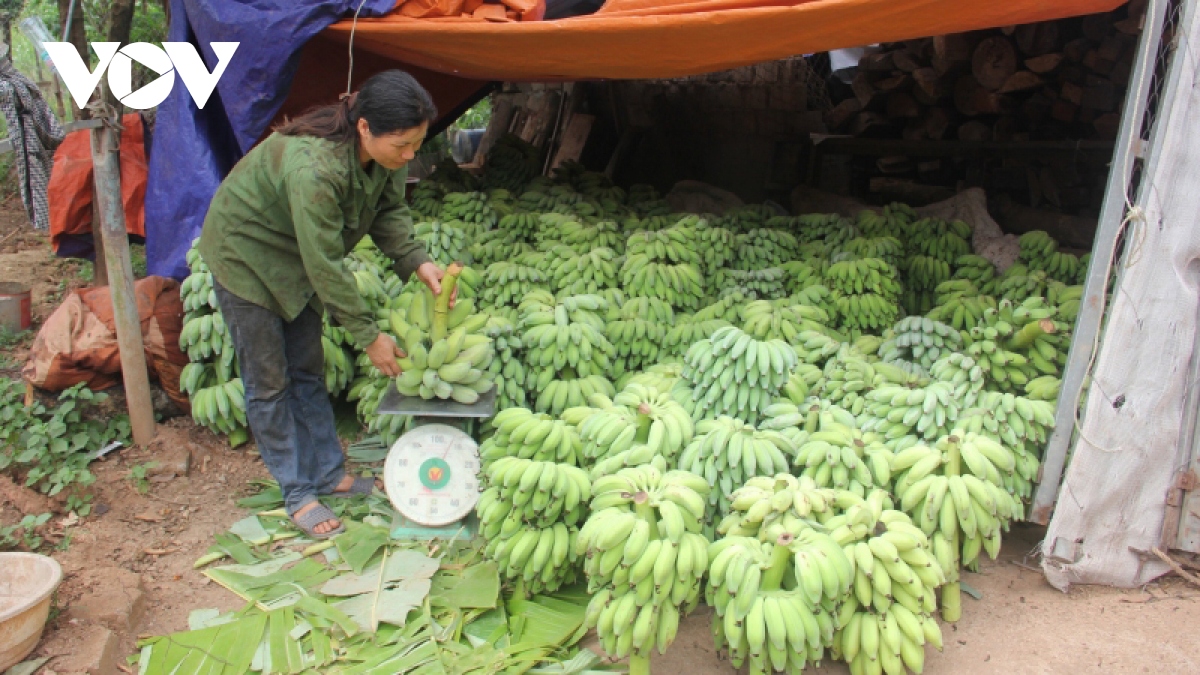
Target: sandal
(309, 521)
(363, 485)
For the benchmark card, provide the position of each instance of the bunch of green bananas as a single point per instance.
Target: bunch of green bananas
(767, 320)
(196, 291)
(760, 248)
(1016, 343)
(733, 374)
(747, 217)
(926, 409)
(825, 229)
(1066, 299)
(1037, 246)
(886, 248)
(444, 242)
(508, 367)
(920, 341)
(427, 199)
(717, 246)
(641, 425)
(801, 275)
(848, 377)
(946, 240)
(640, 193)
(637, 340)
(337, 346)
(1020, 424)
(963, 374)
(727, 452)
(976, 269)
(961, 311)
(887, 620)
(841, 456)
(567, 354)
(366, 392)
(765, 618)
(601, 234)
(767, 506)
(448, 354)
(688, 330)
(680, 284)
(511, 163)
(893, 220)
(815, 347)
(469, 207)
(1019, 283)
(804, 377)
(369, 279)
(645, 558)
(727, 308)
(529, 492)
(674, 245)
(585, 272)
(922, 275)
(524, 434)
(661, 376)
(1044, 388)
(769, 283)
(222, 406)
(522, 226)
(204, 336)
(507, 283)
(865, 293)
(955, 493)
(539, 560)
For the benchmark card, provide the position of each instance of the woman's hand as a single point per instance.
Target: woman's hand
(383, 352)
(431, 275)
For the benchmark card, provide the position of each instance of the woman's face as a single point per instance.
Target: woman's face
(393, 150)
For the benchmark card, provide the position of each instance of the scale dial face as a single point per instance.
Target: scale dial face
(432, 475)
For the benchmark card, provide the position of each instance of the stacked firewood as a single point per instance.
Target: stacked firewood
(1048, 81)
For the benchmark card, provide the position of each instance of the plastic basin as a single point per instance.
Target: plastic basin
(26, 582)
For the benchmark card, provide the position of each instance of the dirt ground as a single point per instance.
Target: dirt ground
(1021, 625)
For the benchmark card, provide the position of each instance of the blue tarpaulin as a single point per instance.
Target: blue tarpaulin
(194, 149)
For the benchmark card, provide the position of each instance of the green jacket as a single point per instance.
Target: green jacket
(289, 212)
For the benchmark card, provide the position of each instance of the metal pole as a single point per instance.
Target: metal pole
(1087, 325)
(107, 170)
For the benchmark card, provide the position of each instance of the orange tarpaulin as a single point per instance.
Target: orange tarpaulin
(650, 39)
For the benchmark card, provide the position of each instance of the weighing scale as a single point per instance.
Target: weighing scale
(431, 474)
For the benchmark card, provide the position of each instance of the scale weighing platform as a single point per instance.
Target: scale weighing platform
(431, 473)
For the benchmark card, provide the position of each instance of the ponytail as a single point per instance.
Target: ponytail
(389, 101)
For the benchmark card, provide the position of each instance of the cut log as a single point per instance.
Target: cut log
(1098, 64)
(930, 83)
(1071, 92)
(894, 84)
(994, 61)
(1075, 50)
(909, 192)
(1035, 186)
(1096, 27)
(894, 164)
(1050, 186)
(1064, 111)
(864, 90)
(1101, 96)
(937, 123)
(906, 61)
(1114, 47)
(975, 131)
(1005, 129)
(1022, 80)
(1107, 125)
(868, 123)
(952, 53)
(1046, 63)
(1070, 231)
(841, 114)
(881, 62)
(902, 106)
(971, 99)
(1036, 39)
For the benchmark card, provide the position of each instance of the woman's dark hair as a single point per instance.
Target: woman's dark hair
(389, 101)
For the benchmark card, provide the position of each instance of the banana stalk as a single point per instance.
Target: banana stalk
(1032, 331)
(952, 591)
(781, 555)
(441, 304)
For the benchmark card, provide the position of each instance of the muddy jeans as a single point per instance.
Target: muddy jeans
(283, 370)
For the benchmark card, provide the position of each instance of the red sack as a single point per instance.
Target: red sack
(70, 190)
(78, 342)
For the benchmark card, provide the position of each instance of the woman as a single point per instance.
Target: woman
(275, 236)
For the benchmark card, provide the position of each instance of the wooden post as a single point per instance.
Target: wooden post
(107, 171)
(99, 266)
